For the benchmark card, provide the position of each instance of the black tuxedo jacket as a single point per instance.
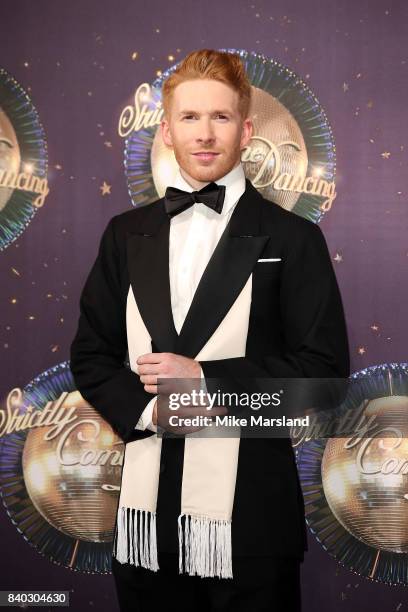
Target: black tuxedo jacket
(296, 329)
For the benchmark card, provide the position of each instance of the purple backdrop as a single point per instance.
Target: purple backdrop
(75, 61)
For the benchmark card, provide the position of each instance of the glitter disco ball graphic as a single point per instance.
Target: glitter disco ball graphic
(366, 485)
(356, 487)
(60, 474)
(23, 155)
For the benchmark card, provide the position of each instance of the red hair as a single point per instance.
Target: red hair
(210, 64)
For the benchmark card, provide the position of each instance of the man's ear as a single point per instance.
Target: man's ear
(166, 135)
(247, 132)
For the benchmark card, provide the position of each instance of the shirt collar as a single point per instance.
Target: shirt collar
(234, 182)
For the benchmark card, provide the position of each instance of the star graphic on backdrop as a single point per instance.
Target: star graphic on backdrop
(105, 188)
(386, 155)
(108, 144)
(345, 87)
(338, 257)
(374, 327)
(361, 350)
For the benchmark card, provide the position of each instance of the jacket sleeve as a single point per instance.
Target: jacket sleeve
(99, 348)
(315, 343)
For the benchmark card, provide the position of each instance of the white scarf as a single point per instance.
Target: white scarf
(209, 471)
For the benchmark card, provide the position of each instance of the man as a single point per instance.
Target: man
(211, 282)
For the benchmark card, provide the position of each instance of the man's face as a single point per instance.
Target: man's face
(205, 130)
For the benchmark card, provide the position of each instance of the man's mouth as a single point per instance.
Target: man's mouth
(205, 155)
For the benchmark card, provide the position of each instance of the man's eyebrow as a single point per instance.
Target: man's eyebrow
(192, 112)
(7, 142)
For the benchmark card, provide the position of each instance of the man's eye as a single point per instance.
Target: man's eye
(193, 116)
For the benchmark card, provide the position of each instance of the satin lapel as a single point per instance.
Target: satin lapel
(148, 265)
(226, 273)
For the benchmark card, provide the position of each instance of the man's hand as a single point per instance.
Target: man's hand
(152, 366)
(184, 412)
(165, 365)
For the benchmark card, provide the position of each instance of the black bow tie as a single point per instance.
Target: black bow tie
(176, 200)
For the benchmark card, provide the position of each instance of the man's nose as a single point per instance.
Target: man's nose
(205, 133)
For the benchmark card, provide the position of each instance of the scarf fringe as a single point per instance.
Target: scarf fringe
(206, 543)
(135, 538)
(207, 546)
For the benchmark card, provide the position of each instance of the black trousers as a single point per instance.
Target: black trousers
(260, 584)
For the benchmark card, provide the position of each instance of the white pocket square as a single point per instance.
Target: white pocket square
(272, 259)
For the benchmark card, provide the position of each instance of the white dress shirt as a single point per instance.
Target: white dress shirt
(194, 234)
